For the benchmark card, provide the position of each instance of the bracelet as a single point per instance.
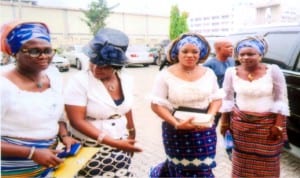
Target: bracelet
(32, 149)
(131, 130)
(101, 137)
(279, 128)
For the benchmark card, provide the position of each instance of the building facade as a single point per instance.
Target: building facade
(243, 14)
(67, 27)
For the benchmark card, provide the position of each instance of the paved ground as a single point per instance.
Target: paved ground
(149, 133)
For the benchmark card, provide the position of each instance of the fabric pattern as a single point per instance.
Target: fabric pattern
(266, 94)
(188, 153)
(254, 155)
(85, 90)
(108, 162)
(14, 167)
(11, 33)
(197, 152)
(44, 109)
(173, 92)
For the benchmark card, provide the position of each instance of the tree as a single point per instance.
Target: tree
(96, 15)
(178, 24)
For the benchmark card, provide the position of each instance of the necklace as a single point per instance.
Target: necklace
(111, 88)
(39, 84)
(189, 72)
(250, 77)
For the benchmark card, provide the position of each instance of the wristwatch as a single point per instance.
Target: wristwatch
(279, 128)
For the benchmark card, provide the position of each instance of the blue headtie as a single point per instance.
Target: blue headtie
(25, 32)
(201, 45)
(252, 43)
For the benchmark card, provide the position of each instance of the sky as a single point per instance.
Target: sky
(162, 7)
(156, 7)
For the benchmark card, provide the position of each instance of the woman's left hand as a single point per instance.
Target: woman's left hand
(68, 141)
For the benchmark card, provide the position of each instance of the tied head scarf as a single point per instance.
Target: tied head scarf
(108, 47)
(194, 39)
(15, 34)
(253, 42)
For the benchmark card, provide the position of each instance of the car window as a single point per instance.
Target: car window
(138, 48)
(279, 52)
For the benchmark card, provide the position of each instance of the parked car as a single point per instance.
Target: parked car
(76, 56)
(6, 59)
(61, 63)
(139, 54)
(284, 50)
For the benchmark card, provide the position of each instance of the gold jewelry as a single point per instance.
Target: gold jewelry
(111, 88)
(131, 130)
(250, 77)
(279, 128)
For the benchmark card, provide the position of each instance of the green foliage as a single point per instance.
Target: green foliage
(96, 15)
(178, 24)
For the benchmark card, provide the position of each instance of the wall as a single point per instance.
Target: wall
(67, 27)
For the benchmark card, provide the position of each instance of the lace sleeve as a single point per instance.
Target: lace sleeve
(228, 100)
(279, 92)
(159, 92)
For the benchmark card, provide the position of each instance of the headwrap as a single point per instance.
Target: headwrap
(108, 47)
(253, 42)
(15, 34)
(189, 38)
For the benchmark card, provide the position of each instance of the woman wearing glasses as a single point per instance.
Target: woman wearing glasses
(31, 102)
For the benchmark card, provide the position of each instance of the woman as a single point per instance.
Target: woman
(98, 104)
(31, 102)
(190, 148)
(257, 113)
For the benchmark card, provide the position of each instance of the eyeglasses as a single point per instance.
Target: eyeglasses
(36, 52)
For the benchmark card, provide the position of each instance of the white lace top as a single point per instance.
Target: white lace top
(266, 94)
(171, 91)
(32, 115)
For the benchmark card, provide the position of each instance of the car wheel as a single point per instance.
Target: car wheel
(158, 61)
(78, 64)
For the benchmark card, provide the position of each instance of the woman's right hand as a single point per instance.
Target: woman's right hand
(186, 125)
(46, 157)
(225, 123)
(127, 145)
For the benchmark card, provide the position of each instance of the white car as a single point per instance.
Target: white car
(139, 54)
(61, 63)
(76, 57)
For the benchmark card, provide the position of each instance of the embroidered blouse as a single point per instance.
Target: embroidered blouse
(265, 94)
(171, 91)
(32, 115)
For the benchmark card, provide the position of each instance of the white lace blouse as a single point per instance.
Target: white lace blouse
(266, 94)
(32, 115)
(171, 91)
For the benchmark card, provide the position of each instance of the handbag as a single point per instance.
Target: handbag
(201, 118)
